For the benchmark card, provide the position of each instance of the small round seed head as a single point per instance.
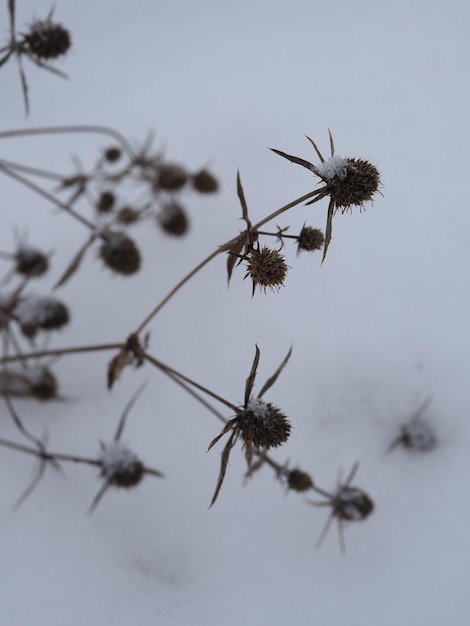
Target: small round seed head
(46, 40)
(205, 182)
(173, 219)
(418, 435)
(300, 481)
(41, 312)
(43, 383)
(171, 177)
(112, 154)
(310, 239)
(128, 215)
(120, 253)
(105, 202)
(349, 182)
(120, 467)
(31, 262)
(352, 504)
(266, 268)
(263, 425)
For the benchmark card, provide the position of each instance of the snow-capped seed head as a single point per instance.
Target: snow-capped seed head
(266, 268)
(352, 504)
(112, 154)
(120, 466)
(120, 253)
(173, 219)
(40, 312)
(418, 435)
(105, 202)
(46, 40)
(310, 239)
(205, 182)
(43, 383)
(263, 425)
(171, 177)
(31, 262)
(300, 481)
(348, 182)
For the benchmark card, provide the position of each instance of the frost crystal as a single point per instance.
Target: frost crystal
(334, 167)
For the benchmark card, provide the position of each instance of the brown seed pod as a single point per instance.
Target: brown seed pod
(120, 253)
(310, 239)
(46, 40)
(205, 182)
(31, 262)
(41, 312)
(299, 481)
(120, 467)
(171, 177)
(266, 268)
(352, 504)
(43, 383)
(105, 202)
(112, 154)
(263, 425)
(127, 215)
(349, 182)
(173, 219)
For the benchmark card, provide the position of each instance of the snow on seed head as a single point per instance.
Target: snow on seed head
(120, 466)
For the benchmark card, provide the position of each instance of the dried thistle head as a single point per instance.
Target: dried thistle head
(40, 312)
(105, 202)
(120, 253)
(299, 481)
(112, 154)
(204, 182)
(310, 239)
(46, 40)
(43, 383)
(417, 434)
(31, 261)
(120, 467)
(267, 268)
(171, 177)
(173, 219)
(128, 215)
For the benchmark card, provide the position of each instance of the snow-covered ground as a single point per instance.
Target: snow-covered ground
(378, 328)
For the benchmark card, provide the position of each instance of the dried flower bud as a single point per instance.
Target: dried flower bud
(31, 262)
(418, 435)
(300, 481)
(205, 182)
(41, 312)
(173, 219)
(352, 504)
(43, 383)
(266, 268)
(120, 467)
(127, 215)
(46, 40)
(310, 239)
(171, 177)
(120, 253)
(263, 425)
(105, 202)
(112, 154)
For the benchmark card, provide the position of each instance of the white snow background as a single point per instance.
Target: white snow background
(380, 326)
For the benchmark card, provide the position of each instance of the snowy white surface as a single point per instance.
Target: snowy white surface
(381, 325)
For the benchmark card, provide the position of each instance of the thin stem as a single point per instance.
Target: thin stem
(34, 171)
(45, 194)
(48, 456)
(62, 351)
(220, 249)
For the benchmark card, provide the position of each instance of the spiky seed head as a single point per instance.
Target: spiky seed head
(105, 202)
(112, 154)
(47, 40)
(128, 215)
(31, 262)
(43, 383)
(310, 239)
(120, 253)
(171, 177)
(205, 182)
(349, 182)
(352, 504)
(40, 312)
(418, 435)
(266, 268)
(263, 425)
(173, 219)
(120, 466)
(300, 481)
